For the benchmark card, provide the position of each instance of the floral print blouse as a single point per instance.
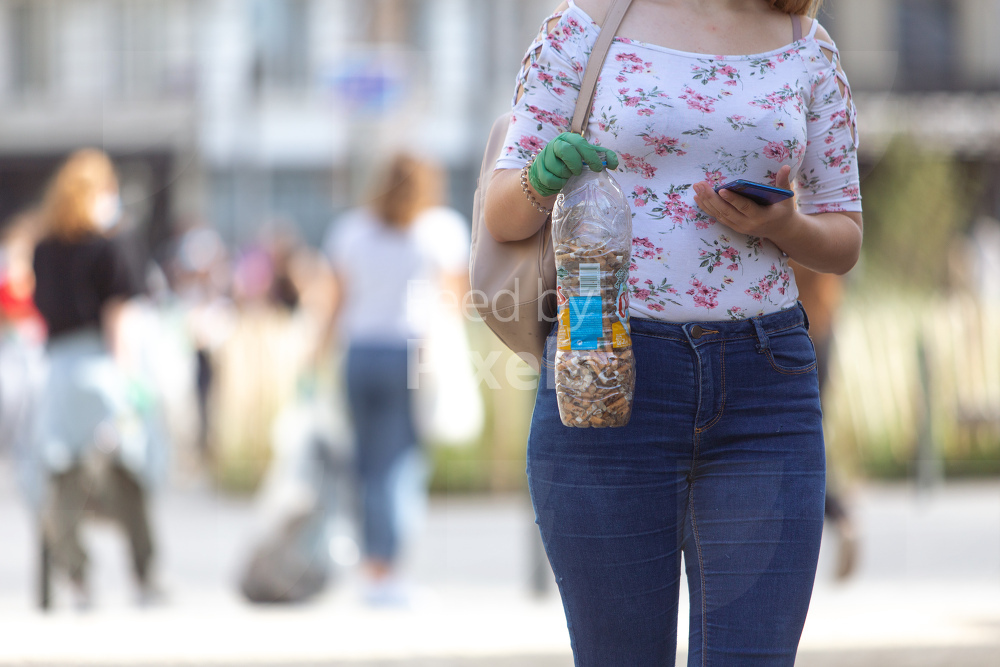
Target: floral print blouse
(675, 118)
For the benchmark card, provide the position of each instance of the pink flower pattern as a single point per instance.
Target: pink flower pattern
(545, 117)
(644, 248)
(676, 119)
(636, 164)
(704, 296)
(697, 101)
(720, 252)
(663, 145)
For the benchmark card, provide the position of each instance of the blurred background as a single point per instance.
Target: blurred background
(242, 129)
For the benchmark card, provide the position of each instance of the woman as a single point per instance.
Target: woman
(723, 458)
(88, 434)
(385, 256)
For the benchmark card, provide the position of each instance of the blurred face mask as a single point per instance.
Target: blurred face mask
(107, 210)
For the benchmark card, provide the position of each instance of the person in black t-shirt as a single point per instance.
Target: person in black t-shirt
(87, 427)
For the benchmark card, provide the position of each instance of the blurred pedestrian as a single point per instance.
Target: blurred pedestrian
(821, 294)
(91, 440)
(22, 335)
(199, 272)
(305, 534)
(18, 313)
(285, 249)
(723, 457)
(391, 257)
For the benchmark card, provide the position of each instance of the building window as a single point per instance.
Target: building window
(31, 44)
(281, 36)
(928, 45)
(154, 46)
(304, 198)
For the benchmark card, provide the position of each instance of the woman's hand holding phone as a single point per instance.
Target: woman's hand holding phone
(743, 215)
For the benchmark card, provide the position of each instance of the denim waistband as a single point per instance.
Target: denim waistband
(708, 331)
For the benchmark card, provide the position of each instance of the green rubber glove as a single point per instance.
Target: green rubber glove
(563, 157)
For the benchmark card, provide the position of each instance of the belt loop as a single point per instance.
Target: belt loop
(762, 343)
(805, 315)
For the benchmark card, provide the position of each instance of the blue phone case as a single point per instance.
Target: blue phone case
(765, 195)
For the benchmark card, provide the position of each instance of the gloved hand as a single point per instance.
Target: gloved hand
(563, 157)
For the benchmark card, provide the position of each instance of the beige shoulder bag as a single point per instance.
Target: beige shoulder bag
(514, 282)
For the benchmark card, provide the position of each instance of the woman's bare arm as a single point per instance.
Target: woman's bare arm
(825, 242)
(509, 214)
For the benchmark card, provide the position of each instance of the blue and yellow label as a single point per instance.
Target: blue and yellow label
(586, 322)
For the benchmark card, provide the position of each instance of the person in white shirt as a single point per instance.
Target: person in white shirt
(389, 255)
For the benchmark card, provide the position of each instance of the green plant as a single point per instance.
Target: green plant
(915, 202)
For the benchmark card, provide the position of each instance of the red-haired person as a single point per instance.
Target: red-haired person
(90, 440)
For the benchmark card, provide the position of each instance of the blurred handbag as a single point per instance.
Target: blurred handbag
(515, 282)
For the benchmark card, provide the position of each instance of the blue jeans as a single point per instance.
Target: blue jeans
(722, 460)
(386, 441)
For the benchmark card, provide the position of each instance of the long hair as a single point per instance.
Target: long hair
(68, 206)
(405, 187)
(808, 7)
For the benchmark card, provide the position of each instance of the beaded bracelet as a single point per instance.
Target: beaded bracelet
(527, 191)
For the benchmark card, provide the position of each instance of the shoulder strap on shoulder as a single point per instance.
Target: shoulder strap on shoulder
(796, 27)
(595, 61)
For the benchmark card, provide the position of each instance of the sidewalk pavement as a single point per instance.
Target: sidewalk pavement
(926, 594)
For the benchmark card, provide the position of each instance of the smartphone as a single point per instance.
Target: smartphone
(765, 195)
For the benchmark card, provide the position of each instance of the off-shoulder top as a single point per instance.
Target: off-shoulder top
(675, 118)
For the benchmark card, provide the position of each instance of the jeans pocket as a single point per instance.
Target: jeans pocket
(791, 352)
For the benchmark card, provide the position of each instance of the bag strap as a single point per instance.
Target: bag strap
(608, 29)
(796, 27)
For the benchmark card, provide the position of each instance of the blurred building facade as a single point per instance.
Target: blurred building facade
(929, 69)
(243, 111)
